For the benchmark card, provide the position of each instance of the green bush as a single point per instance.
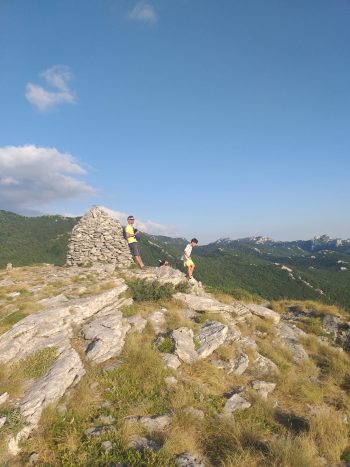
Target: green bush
(145, 291)
(167, 345)
(183, 287)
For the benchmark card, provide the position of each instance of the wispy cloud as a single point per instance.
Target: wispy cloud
(144, 226)
(143, 12)
(56, 77)
(33, 176)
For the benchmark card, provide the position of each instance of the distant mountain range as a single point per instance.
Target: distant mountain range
(253, 267)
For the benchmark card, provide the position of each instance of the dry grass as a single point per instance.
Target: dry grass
(321, 309)
(330, 433)
(13, 377)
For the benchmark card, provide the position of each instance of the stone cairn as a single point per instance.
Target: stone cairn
(98, 238)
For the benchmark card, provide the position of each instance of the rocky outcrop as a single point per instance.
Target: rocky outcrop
(211, 336)
(54, 328)
(98, 238)
(107, 334)
(264, 312)
(184, 345)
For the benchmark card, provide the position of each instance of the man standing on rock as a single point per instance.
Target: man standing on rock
(132, 239)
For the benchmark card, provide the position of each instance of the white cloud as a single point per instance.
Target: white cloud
(144, 226)
(34, 176)
(143, 12)
(58, 78)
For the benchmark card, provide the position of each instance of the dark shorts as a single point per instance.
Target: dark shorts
(135, 248)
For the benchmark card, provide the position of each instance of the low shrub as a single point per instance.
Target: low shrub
(142, 290)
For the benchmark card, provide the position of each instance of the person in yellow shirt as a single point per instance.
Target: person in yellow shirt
(132, 239)
(186, 257)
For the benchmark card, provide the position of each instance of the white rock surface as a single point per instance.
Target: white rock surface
(188, 459)
(171, 361)
(205, 303)
(264, 366)
(263, 388)
(156, 423)
(158, 321)
(212, 334)
(53, 327)
(236, 402)
(137, 323)
(4, 397)
(290, 335)
(107, 335)
(65, 372)
(239, 364)
(140, 443)
(184, 345)
(2, 421)
(264, 312)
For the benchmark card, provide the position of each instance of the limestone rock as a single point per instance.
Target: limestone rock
(156, 423)
(158, 321)
(98, 238)
(330, 325)
(140, 443)
(96, 431)
(205, 303)
(137, 323)
(107, 333)
(2, 421)
(263, 388)
(236, 402)
(264, 312)
(170, 381)
(65, 372)
(171, 361)
(107, 446)
(163, 274)
(9, 267)
(239, 364)
(53, 327)
(290, 334)
(188, 459)
(241, 311)
(211, 336)
(184, 345)
(264, 366)
(4, 397)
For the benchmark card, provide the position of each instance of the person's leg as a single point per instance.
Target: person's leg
(190, 270)
(139, 261)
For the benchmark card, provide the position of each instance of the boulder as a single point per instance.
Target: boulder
(212, 334)
(107, 335)
(158, 321)
(239, 364)
(263, 388)
(184, 345)
(171, 361)
(188, 459)
(140, 443)
(156, 423)
(235, 402)
(202, 303)
(264, 312)
(265, 366)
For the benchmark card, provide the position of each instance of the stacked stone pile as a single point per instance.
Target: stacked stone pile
(98, 238)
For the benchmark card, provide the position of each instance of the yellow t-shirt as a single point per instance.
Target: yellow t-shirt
(130, 230)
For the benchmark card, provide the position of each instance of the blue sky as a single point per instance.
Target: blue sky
(200, 117)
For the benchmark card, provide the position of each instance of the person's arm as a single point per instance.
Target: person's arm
(128, 233)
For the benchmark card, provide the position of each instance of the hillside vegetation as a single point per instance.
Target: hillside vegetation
(258, 269)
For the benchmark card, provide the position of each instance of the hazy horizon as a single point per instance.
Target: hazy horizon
(200, 118)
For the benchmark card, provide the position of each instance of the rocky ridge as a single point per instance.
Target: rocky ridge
(102, 324)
